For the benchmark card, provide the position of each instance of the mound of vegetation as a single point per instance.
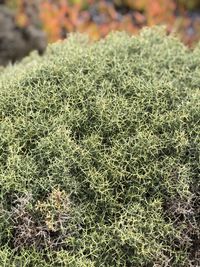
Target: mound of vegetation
(99, 154)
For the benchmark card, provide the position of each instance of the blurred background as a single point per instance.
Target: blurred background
(27, 25)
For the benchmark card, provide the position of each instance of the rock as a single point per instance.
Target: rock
(17, 42)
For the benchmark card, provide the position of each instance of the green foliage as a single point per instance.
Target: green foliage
(99, 154)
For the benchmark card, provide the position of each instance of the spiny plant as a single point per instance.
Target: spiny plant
(99, 154)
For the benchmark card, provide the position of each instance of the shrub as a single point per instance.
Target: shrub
(99, 154)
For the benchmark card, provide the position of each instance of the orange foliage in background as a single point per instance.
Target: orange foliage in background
(64, 17)
(98, 18)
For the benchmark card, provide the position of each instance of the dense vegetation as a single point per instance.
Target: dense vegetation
(99, 154)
